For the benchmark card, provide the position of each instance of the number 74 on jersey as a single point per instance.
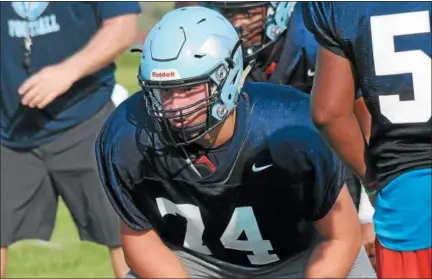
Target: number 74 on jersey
(242, 220)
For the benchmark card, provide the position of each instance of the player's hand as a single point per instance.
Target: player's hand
(43, 87)
(368, 239)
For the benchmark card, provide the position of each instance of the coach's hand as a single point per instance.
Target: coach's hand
(43, 87)
(368, 239)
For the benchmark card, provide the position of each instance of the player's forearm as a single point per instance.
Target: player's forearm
(148, 256)
(332, 259)
(147, 263)
(345, 137)
(111, 40)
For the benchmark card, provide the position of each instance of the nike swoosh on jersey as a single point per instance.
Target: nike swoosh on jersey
(310, 73)
(257, 169)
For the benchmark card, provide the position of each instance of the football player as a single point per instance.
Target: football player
(262, 26)
(384, 49)
(215, 179)
(285, 51)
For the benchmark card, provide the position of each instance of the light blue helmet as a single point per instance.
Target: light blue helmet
(188, 46)
(271, 25)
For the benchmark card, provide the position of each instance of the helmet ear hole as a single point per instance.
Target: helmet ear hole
(201, 21)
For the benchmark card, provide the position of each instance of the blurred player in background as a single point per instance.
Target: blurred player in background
(213, 179)
(262, 27)
(384, 49)
(57, 78)
(276, 38)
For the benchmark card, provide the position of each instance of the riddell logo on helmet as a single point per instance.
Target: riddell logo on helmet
(164, 75)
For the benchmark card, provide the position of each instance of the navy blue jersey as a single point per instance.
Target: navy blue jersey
(296, 66)
(58, 30)
(293, 62)
(389, 47)
(277, 177)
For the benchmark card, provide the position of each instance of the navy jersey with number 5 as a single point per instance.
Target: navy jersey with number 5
(273, 179)
(389, 47)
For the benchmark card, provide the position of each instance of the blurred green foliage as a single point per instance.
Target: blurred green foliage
(151, 13)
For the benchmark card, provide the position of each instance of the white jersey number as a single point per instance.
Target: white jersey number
(388, 62)
(242, 220)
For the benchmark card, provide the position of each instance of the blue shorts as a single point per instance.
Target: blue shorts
(403, 212)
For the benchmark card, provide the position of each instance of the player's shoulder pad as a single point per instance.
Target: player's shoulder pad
(124, 138)
(275, 106)
(300, 148)
(268, 95)
(321, 19)
(270, 101)
(282, 115)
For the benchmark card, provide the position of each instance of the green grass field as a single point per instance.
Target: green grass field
(66, 256)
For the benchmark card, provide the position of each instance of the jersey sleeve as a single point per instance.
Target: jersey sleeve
(315, 173)
(320, 19)
(117, 183)
(107, 10)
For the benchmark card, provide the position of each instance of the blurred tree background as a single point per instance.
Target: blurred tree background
(151, 13)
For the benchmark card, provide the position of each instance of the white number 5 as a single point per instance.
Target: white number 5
(388, 62)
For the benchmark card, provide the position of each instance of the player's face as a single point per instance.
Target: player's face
(181, 97)
(251, 23)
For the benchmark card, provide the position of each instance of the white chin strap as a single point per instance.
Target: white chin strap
(244, 76)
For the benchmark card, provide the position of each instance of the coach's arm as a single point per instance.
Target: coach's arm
(112, 39)
(117, 32)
